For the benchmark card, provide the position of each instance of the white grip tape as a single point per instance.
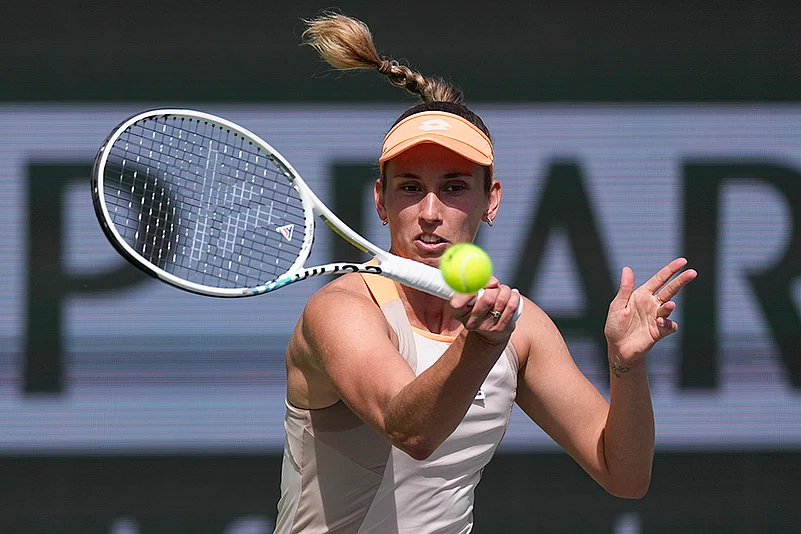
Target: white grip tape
(426, 278)
(417, 275)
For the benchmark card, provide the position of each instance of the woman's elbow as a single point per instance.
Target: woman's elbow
(630, 489)
(418, 447)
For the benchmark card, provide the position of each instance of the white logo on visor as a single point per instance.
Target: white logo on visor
(434, 124)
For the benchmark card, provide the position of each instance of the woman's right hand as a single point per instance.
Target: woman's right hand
(490, 315)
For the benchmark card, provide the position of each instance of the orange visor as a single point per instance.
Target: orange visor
(445, 129)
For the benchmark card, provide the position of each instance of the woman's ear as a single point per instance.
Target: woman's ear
(378, 197)
(493, 202)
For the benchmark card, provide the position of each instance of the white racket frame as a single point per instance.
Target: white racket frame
(405, 271)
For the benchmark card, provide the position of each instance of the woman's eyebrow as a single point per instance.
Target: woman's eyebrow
(447, 176)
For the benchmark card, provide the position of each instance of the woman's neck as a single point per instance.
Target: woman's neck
(428, 312)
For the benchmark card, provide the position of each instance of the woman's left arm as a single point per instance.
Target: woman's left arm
(613, 441)
(637, 320)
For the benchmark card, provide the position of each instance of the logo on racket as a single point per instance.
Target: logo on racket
(286, 231)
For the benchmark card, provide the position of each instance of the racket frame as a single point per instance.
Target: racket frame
(408, 272)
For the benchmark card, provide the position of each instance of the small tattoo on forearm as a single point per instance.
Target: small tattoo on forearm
(617, 369)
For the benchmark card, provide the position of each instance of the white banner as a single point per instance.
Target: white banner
(150, 368)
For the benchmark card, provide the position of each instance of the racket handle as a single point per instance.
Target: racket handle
(416, 275)
(424, 278)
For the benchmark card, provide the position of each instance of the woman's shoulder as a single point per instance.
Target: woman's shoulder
(534, 328)
(340, 306)
(346, 294)
(350, 285)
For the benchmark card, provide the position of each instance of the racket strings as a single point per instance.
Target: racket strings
(203, 203)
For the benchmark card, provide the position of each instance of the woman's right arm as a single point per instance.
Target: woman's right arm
(345, 342)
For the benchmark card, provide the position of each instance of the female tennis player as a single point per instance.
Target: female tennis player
(396, 399)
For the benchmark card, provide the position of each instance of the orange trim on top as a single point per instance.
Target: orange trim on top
(433, 336)
(382, 289)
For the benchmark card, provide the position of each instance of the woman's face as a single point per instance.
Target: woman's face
(433, 198)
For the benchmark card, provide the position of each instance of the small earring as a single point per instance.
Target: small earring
(384, 222)
(489, 221)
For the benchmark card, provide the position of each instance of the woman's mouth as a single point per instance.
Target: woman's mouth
(431, 243)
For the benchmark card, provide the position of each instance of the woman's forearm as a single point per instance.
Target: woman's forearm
(629, 432)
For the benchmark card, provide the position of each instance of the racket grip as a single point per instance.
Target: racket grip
(416, 275)
(425, 278)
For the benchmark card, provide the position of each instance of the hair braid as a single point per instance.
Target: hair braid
(347, 44)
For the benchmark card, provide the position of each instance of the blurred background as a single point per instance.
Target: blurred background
(626, 133)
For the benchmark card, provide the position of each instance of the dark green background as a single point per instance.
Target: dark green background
(248, 51)
(720, 492)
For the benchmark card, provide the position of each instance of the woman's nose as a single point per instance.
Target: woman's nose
(431, 209)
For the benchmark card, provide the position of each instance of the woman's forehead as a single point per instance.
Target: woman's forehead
(431, 159)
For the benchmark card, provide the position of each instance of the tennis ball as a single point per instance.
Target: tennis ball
(465, 267)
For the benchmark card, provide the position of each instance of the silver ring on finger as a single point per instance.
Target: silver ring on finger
(496, 314)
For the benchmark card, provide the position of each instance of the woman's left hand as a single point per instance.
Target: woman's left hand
(638, 318)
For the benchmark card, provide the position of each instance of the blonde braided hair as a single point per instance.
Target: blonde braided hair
(346, 43)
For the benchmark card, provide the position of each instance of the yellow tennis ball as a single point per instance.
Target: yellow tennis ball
(465, 267)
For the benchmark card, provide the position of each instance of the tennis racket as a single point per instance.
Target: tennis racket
(209, 207)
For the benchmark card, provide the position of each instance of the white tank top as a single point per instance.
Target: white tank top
(340, 475)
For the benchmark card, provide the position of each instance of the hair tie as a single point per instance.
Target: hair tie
(386, 66)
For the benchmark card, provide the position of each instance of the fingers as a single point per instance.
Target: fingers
(491, 307)
(666, 326)
(665, 309)
(460, 300)
(494, 309)
(673, 287)
(626, 286)
(665, 277)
